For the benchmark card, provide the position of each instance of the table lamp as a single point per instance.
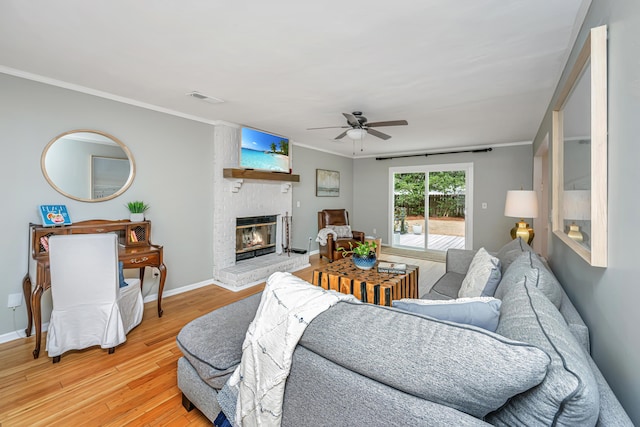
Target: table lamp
(522, 204)
(577, 207)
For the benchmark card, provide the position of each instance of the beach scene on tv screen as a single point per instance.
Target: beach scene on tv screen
(264, 151)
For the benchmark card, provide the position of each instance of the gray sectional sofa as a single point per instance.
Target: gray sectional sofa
(361, 364)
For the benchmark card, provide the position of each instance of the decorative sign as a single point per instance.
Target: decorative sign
(53, 215)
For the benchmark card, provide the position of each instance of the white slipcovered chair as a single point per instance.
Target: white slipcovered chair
(89, 306)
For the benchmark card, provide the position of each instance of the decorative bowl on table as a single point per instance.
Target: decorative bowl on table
(364, 262)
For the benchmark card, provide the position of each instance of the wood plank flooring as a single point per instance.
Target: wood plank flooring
(134, 386)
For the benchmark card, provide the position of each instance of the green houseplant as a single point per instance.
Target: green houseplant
(363, 254)
(137, 210)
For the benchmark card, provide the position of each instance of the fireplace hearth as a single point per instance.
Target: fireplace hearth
(255, 236)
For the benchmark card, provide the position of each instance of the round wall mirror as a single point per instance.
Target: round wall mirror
(88, 165)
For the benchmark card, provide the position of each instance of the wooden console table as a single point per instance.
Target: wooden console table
(367, 285)
(135, 251)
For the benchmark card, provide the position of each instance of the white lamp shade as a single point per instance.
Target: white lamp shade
(356, 134)
(521, 204)
(577, 205)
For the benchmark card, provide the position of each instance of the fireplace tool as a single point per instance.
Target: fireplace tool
(286, 235)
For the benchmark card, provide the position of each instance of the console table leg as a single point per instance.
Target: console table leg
(26, 290)
(163, 276)
(37, 317)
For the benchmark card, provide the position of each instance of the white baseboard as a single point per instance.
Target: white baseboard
(19, 334)
(10, 336)
(177, 291)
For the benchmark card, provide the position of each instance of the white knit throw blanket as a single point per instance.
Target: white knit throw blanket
(323, 233)
(288, 305)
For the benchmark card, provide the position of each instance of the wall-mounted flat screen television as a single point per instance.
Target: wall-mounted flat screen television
(264, 151)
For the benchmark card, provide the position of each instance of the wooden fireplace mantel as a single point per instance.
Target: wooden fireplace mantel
(256, 174)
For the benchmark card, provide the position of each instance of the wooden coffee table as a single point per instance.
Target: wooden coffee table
(367, 285)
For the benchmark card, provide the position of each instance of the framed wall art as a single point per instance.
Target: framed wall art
(327, 183)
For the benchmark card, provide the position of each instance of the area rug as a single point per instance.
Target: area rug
(436, 256)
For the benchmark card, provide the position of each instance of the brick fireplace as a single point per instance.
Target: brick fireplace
(245, 198)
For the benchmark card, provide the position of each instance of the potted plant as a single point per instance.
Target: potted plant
(363, 254)
(137, 210)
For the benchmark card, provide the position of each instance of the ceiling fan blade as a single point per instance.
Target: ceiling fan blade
(352, 120)
(342, 135)
(378, 134)
(330, 127)
(388, 123)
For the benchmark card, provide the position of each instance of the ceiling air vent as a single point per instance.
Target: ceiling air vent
(205, 98)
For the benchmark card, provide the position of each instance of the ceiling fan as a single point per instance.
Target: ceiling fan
(359, 127)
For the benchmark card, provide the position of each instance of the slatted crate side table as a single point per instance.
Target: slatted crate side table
(367, 285)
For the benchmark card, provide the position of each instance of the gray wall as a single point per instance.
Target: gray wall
(305, 217)
(607, 298)
(173, 158)
(495, 172)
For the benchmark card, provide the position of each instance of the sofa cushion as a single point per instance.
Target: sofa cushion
(569, 393)
(464, 367)
(512, 250)
(482, 312)
(213, 343)
(575, 322)
(322, 393)
(447, 287)
(530, 266)
(483, 276)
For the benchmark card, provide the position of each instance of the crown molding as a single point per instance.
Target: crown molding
(101, 94)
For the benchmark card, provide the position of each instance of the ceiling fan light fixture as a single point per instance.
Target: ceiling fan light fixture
(356, 134)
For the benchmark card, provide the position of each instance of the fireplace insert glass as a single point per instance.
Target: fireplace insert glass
(255, 236)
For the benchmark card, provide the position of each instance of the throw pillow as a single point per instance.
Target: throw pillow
(343, 231)
(483, 276)
(512, 250)
(121, 280)
(483, 312)
(568, 395)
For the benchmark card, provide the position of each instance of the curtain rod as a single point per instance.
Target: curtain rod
(480, 150)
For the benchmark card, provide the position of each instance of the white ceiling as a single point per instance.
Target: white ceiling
(464, 73)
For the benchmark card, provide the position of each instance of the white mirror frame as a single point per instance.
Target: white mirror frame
(132, 167)
(594, 52)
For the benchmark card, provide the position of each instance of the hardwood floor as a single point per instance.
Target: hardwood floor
(134, 386)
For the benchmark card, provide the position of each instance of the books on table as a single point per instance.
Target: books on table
(53, 215)
(392, 267)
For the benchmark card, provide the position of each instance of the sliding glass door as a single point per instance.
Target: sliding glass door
(430, 207)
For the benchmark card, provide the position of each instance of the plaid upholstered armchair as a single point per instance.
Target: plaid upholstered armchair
(338, 221)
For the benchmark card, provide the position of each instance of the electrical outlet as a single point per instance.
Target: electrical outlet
(15, 300)
(375, 231)
(156, 272)
(484, 205)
